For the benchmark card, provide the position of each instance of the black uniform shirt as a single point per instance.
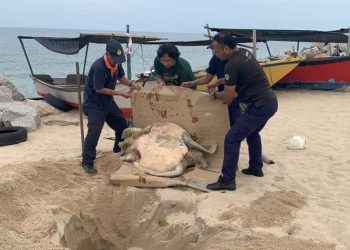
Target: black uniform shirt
(252, 85)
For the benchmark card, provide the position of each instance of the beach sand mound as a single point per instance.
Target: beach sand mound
(46, 204)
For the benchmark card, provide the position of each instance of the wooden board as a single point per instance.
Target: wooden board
(127, 175)
(203, 118)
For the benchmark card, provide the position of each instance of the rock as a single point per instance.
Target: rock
(19, 114)
(310, 52)
(43, 107)
(5, 94)
(16, 95)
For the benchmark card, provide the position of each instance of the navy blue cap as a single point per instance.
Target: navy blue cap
(115, 50)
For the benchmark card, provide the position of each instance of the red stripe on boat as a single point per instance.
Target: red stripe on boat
(320, 70)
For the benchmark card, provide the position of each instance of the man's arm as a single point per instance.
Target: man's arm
(123, 80)
(99, 86)
(231, 77)
(158, 68)
(227, 96)
(107, 91)
(127, 82)
(201, 81)
(212, 86)
(160, 81)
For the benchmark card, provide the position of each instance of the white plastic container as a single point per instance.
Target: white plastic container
(296, 143)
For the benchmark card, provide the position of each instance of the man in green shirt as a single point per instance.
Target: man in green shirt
(170, 68)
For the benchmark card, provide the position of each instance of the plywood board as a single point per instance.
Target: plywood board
(203, 118)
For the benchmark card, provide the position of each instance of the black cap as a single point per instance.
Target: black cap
(115, 49)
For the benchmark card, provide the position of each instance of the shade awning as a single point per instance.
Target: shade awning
(289, 35)
(70, 46)
(198, 42)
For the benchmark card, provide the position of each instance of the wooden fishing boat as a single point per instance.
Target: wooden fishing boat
(330, 72)
(319, 73)
(276, 70)
(66, 88)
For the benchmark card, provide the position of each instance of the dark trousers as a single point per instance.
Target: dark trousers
(96, 119)
(234, 112)
(247, 126)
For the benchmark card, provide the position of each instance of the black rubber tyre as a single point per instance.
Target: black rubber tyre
(12, 135)
(57, 103)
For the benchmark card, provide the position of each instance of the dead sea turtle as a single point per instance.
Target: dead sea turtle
(163, 149)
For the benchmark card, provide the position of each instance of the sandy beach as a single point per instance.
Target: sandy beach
(303, 202)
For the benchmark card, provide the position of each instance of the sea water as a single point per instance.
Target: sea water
(14, 66)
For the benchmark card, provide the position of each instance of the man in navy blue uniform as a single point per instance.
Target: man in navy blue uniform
(216, 68)
(99, 104)
(245, 80)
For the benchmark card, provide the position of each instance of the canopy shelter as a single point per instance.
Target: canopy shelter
(199, 42)
(342, 30)
(336, 36)
(71, 46)
(289, 35)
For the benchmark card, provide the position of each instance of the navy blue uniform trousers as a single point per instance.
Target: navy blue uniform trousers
(234, 112)
(247, 126)
(96, 119)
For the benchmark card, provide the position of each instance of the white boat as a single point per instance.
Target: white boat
(66, 88)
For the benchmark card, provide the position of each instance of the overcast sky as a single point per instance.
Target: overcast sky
(175, 16)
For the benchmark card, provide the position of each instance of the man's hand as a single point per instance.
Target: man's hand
(188, 84)
(125, 95)
(212, 86)
(212, 96)
(135, 86)
(160, 81)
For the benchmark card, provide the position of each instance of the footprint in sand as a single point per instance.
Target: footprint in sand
(279, 178)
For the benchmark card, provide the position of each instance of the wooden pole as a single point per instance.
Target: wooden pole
(254, 42)
(298, 44)
(348, 50)
(208, 31)
(268, 49)
(128, 57)
(25, 54)
(86, 52)
(80, 107)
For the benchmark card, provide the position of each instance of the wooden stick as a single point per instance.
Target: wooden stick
(254, 42)
(149, 181)
(80, 108)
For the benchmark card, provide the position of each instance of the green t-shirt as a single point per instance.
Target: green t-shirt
(176, 75)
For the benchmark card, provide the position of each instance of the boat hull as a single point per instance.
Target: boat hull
(69, 94)
(324, 71)
(276, 70)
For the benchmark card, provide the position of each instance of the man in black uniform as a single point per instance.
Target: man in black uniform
(99, 104)
(245, 79)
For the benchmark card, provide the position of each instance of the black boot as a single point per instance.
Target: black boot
(257, 172)
(89, 169)
(116, 149)
(222, 185)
